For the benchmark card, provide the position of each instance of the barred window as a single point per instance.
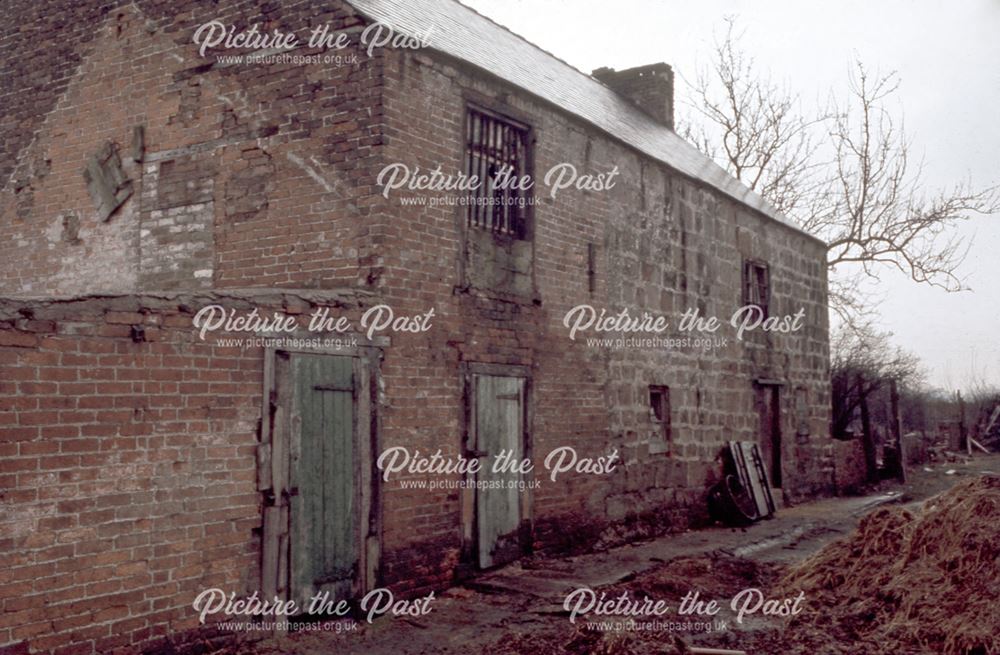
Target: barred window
(756, 285)
(497, 154)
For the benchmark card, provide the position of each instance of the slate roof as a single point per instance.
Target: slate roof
(463, 33)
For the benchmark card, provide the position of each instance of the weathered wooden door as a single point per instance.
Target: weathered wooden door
(769, 409)
(499, 433)
(324, 479)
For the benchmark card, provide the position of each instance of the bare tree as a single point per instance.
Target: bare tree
(877, 212)
(753, 127)
(845, 175)
(863, 360)
(863, 363)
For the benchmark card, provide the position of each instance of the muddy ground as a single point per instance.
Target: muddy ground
(520, 609)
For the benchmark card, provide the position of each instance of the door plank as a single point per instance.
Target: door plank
(325, 544)
(499, 429)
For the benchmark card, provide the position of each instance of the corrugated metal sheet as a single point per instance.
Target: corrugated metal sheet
(461, 32)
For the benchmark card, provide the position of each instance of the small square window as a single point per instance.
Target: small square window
(659, 408)
(497, 155)
(756, 285)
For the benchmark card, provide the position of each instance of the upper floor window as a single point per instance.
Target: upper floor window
(497, 154)
(756, 285)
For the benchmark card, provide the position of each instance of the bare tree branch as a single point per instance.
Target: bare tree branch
(846, 175)
(752, 127)
(880, 215)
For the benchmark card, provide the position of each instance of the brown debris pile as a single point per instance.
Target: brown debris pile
(927, 581)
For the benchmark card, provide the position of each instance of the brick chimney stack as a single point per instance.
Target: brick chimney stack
(651, 88)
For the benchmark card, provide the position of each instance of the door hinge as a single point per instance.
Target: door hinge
(331, 387)
(268, 497)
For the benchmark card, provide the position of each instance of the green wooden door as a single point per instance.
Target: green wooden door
(325, 510)
(499, 428)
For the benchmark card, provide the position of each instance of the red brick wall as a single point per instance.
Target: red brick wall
(128, 473)
(253, 174)
(129, 476)
(129, 465)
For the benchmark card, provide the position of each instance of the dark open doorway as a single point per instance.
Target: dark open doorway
(769, 436)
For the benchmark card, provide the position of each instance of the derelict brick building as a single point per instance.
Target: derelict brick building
(143, 181)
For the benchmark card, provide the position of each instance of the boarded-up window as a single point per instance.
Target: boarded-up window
(497, 155)
(756, 285)
(108, 186)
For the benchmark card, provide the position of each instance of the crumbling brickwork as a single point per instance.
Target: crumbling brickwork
(664, 243)
(251, 175)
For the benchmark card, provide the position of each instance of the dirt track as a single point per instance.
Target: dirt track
(520, 609)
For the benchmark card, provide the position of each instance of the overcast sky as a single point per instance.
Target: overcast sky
(947, 55)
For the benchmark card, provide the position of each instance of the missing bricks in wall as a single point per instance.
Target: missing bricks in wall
(71, 228)
(249, 185)
(188, 108)
(106, 181)
(138, 143)
(24, 199)
(35, 167)
(184, 181)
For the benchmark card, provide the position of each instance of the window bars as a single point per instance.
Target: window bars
(497, 155)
